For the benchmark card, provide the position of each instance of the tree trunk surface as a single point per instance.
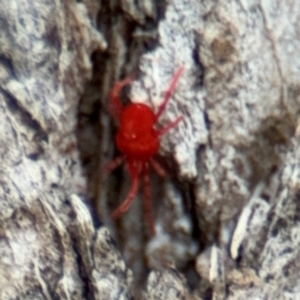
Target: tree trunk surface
(227, 215)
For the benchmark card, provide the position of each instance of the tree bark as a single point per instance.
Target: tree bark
(227, 216)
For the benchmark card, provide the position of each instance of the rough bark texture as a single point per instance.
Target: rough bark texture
(227, 216)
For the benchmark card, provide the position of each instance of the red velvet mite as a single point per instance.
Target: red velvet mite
(138, 139)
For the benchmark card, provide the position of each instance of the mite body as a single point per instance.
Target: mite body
(138, 139)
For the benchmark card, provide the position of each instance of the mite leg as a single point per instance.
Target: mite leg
(148, 202)
(157, 168)
(130, 197)
(115, 105)
(170, 126)
(113, 164)
(169, 92)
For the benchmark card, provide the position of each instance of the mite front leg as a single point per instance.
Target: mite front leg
(148, 201)
(169, 92)
(115, 105)
(170, 126)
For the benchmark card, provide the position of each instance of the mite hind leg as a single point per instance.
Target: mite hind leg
(148, 200)
(131, 195)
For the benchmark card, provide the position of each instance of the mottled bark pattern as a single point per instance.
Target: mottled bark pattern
(227, 217)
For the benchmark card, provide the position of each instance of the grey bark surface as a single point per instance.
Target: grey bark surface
(227, 216)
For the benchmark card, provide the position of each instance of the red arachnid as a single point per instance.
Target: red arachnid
(138, 139)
